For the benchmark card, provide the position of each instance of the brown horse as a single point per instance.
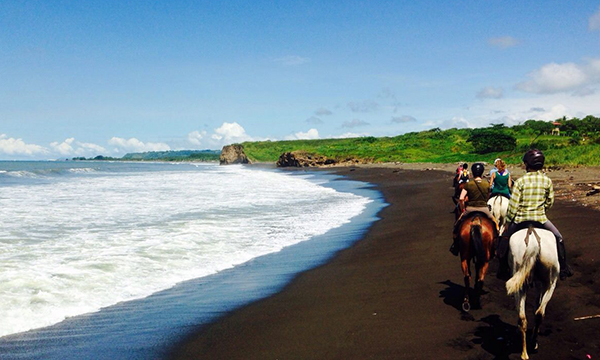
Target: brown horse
(476, 235)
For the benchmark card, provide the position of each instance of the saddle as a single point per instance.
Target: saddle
(471, 215)
(526, 224)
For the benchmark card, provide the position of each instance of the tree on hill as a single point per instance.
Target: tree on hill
(494, 139)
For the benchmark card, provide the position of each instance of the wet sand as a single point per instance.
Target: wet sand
(396, 294)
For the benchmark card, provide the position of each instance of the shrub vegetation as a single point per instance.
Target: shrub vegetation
(578, 144)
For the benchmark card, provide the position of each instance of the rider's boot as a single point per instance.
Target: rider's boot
(503, 272)
(565, 269)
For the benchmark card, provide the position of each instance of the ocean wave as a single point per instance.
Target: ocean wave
(22, 174)
(82, 170)
(130, 234)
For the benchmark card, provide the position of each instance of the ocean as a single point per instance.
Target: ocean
(120, 260)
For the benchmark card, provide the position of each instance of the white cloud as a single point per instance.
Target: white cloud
(12, 146)
(292, 60)
(309, 135)
(226, 134)
(91, 148)
(71, 147)
(195, 137)
(516, 110)
(555, 112)
(594, 22)
(135, 145)
(403, 119)
(354, 123)
(231, 133)
(64, 148)
(455, 122)
(503, 42)
(490, 93)
(322, 112)
(363, 106)
(349, 135)
(568, 77)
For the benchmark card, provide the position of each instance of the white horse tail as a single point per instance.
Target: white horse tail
(516, 282)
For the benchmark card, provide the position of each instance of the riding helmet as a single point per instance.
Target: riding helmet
(534, 159)
(477, 169)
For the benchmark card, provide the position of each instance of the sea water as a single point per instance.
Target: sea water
(78, 237)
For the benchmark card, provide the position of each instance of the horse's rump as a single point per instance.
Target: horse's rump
(534, 259)
(477, 232)
(528, 247)
(498, 205)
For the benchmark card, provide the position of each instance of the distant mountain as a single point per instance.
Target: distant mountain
(175, 155)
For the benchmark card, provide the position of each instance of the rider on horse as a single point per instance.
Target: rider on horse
(476, 191)
(500, 180)
(460, 179)
(533, 195)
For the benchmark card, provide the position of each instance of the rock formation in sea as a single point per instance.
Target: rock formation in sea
(233, 154)
(304, 159)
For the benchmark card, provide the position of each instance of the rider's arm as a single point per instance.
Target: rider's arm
(550, 197)
(462, 199)
(513, 204)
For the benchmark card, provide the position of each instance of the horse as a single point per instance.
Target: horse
(476, 235)
(533, 259)
(499, 207)
(458, 187)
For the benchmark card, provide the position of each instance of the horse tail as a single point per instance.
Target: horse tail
(476, 238)
(515, 283)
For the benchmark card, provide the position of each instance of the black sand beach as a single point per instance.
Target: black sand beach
(396, 293)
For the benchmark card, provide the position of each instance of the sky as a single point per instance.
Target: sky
(84, 78)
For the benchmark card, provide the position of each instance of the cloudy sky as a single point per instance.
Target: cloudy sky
(82, 78)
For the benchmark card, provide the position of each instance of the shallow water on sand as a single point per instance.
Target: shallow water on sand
(79, 237)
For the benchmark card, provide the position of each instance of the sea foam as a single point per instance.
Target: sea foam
(75, 244)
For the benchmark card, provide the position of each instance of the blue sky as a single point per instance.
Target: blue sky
(82, 78)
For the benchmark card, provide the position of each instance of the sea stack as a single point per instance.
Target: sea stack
(233, 154)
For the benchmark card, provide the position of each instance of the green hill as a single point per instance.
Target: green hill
(174, 155)
(578, 144)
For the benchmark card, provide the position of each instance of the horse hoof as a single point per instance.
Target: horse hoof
(466, 306)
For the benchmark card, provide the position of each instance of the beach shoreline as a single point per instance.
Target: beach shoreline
(396, 293)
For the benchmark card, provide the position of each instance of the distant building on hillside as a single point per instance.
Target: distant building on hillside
(556, 130)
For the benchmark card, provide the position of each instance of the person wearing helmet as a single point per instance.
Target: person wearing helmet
(460, 179)
(473, 197)
(533, 195)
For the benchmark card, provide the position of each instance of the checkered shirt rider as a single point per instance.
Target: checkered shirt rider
(533, 195)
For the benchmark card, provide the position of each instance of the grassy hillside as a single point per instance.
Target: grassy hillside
(174, 155)
(578, 145)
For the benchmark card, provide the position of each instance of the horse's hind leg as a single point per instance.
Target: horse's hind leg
(466, 306)
(521, 298)
(544, 298)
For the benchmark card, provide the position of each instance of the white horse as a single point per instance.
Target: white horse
(534, 260)
(499, 207)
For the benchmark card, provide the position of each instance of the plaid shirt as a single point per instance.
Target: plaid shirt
(532, 195)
